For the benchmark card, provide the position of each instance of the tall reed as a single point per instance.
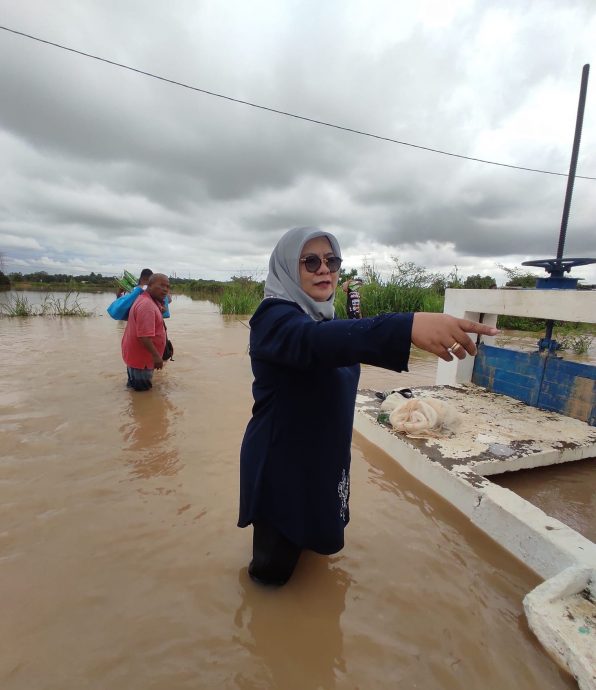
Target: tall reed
(241, 298)
(580, 343)
(382, 298)
(69, 306)
(16, 305)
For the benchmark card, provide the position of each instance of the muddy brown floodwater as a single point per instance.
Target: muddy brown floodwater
(566, 492)
(121, 566)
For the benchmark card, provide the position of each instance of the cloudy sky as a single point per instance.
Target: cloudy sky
(104, 168)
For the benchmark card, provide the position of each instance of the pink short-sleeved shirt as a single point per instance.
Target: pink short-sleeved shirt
(144, 320)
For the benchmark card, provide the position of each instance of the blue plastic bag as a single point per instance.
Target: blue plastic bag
(120, 307)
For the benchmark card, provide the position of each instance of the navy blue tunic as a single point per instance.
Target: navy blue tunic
(295, 456)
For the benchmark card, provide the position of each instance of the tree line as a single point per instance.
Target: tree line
(406, 273)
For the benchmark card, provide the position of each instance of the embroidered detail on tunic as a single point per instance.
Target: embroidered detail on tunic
(343, 489)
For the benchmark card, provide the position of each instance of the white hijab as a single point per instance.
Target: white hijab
(283, 280)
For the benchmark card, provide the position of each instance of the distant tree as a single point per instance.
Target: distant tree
(440, 281)
(242, 280)
(439, 284)
(453, 279)
(478, 282)
(516, 277)
(346, 275)
(37, 277)
(409, 274)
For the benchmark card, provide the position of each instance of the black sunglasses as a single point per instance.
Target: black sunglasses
(312, 263)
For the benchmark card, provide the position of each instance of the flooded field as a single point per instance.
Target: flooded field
(121, 566)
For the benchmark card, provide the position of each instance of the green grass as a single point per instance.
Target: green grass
(16, 305)
(520, 323)
(72, 286)
(244, 298)
(377, 298)
(579, 343)
(241, 298)
(69, 306)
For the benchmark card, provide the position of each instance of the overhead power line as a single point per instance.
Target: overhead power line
(287, 114)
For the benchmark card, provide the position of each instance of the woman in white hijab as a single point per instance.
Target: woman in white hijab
(295, 456)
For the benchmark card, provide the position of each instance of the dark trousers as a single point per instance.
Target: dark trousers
(273, 556)
(139, 379)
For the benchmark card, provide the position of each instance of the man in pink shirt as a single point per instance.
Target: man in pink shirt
(144, 338)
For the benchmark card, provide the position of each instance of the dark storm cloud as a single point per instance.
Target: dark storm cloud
(100, 161)
(99, 115)
(491, 227)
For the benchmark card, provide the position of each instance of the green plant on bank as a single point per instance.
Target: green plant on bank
(520, 323)
(69, 306)
(384, 298)
(409, 288)
(203, 290)
(579, 343)
(565, 328)
(340, 304)
(518, 277)
(16, 305)
(242, 297)
(206, 287)
(214, 296)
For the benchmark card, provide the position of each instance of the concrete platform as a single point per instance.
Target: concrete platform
(496, 434)
(562, 614)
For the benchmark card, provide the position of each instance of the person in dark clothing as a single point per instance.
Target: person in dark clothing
(146, 273)
(351, 287)
(295, 455)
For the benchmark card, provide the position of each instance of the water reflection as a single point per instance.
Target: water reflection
(148, 437)
(295, 631)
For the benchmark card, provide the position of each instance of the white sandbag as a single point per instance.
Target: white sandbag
(420, 418)
(393, 401)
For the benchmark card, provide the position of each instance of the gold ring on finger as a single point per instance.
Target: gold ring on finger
(455, 346)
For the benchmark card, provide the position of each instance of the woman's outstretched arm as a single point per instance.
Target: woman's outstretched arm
(445, 335)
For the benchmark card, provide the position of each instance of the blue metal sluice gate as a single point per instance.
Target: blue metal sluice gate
(540, 379)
